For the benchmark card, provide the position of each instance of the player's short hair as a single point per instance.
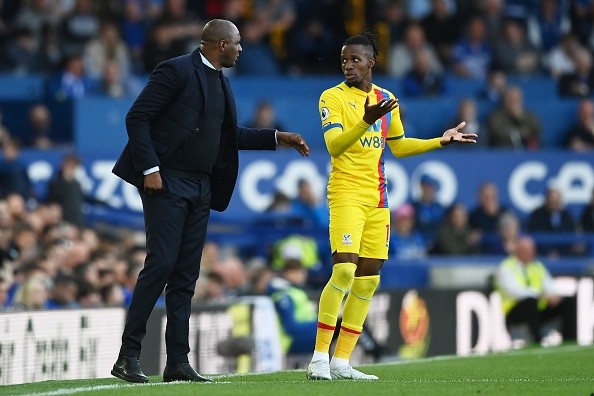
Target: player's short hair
(366, 39)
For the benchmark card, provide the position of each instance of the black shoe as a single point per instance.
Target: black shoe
(128, 369)
(182, 372)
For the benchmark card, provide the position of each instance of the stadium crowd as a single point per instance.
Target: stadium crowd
(50, 258)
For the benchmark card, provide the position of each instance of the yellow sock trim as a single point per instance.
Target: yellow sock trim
(354, 314)
(330, 300)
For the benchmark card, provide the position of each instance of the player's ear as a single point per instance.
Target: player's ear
(371, 62)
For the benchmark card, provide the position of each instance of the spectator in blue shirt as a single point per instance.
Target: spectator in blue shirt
(405, 242)
(308, 207)
(472, 55)
(428, 212)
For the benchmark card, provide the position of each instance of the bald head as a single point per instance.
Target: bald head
(525, 249)
(217, 30)
(220, 43)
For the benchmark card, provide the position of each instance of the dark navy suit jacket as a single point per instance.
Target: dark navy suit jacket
(169, 113)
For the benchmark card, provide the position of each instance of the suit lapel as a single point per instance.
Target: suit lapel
(199, 68)
(229, 99)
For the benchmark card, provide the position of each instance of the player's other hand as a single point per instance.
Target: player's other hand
(454, 135)
(290, 139)
(378, 110)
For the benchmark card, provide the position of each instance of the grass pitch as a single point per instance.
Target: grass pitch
(564, 370)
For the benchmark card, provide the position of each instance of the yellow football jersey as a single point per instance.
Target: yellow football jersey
(358, 175)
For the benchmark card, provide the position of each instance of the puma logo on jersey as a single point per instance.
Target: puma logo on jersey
(353, 104)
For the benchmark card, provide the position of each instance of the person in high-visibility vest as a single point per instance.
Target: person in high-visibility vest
(529, 297)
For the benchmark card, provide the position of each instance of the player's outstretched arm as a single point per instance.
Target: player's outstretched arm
(339, 142)
(453, 135)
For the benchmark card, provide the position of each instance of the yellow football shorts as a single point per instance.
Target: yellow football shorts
(360, 229)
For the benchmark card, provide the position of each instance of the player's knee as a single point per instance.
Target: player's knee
(343, 275)
(365, 286)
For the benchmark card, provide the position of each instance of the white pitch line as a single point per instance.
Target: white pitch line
(536, 351)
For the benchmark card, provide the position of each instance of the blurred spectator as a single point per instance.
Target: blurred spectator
(551, 217)
(529, 295)
(311, 42)
(493, 14)
(281, 204)
(472, 54)
(422, 80)
(580, 83)
(71, 82)
(455, 237)
(298, 317)
(4, 286)
(4, 133)
(308, 207)
(265, 117)
(511, 125)
(484, 217)
(468, 113)
(112, 295)
(63, 293)
(442, 29)
(48, 56)
(504, 241)
(213, 289)
(587, 216)
(548, 24)
(513, 52)
(40, 122)
(428, 211)
(402, 55)
(33, 16)
(79, 27)
(391, 23)
(19, 54)
(159, 47)
(32, 293)
(561, 58)
(114, 85)
(65, 190)
(88, 296)
(256, 57)
(582, 17)
(305, 249)
(134, 32)
(495, 87)
(235, 276)
(278, 18)
(405, 242)
(107, 48)
(13, 173)
(182, 30)
(580, 137)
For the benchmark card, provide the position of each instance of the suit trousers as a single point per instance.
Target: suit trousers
(175, 223)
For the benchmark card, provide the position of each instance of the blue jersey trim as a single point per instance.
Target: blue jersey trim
(330, 126)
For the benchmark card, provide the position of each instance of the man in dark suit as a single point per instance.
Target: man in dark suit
(182, 154)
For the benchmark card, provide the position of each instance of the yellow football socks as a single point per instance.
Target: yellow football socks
(339, 284)
(354, 314)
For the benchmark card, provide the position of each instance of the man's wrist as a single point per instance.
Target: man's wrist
(151, 170)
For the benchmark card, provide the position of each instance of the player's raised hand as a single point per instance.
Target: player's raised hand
(453, 135)
(378, 110)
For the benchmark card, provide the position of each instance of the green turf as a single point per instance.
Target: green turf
(565, 370)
